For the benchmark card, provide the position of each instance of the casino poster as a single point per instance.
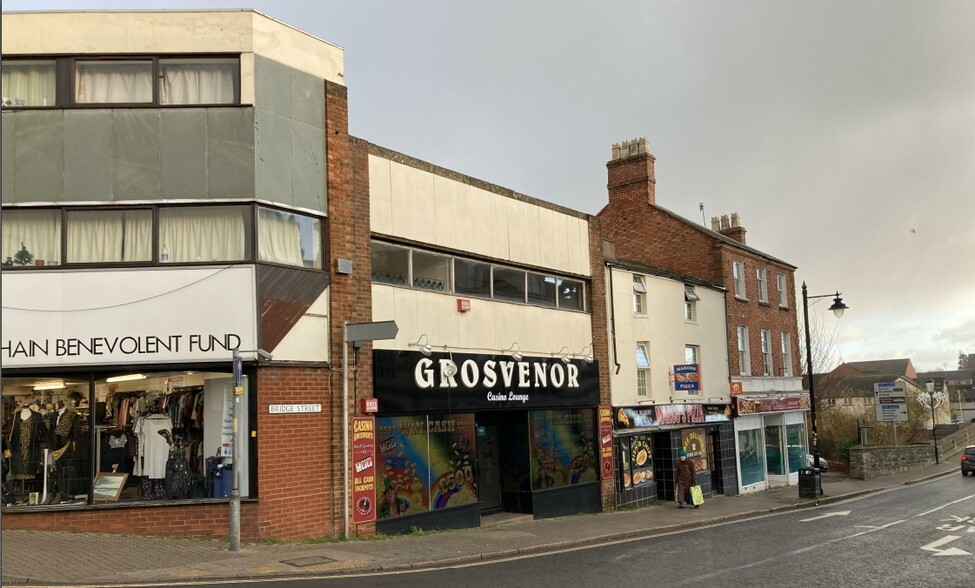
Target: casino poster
(363, 469)
(402, 466)
(692, 440)
(452, 460)
(563, 448)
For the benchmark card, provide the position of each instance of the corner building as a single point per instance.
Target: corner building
(168, 183)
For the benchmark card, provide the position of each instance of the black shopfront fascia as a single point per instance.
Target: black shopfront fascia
(409, 382)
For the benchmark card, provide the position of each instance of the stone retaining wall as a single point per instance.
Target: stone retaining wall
(871, 461)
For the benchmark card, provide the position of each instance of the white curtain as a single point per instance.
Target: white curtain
(198, 83)
(113, 82)
(28, 83)
(109, 236)
(279, 237)
(39, 231)
(207, 233)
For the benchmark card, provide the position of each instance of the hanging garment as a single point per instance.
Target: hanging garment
(26, 436)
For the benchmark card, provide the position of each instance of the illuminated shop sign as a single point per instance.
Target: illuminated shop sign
(411, 381)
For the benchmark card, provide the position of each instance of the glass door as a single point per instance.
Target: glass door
(774, 454)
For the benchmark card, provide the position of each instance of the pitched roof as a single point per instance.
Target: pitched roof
(862, 386)
(882, 366)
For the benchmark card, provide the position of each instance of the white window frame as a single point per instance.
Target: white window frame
(768, 369)
(786, 354)
(744, 358)
(738, 269)
(783, 293)
(761, 274)
(639, 295)
(690, 303)
(643, 372)
(692, 354)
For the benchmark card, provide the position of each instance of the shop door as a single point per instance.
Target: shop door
(714, 443)
(488, 468)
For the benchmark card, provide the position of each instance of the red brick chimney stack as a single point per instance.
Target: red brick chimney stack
(630, 170)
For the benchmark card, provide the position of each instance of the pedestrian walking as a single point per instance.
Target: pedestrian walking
(686, 478)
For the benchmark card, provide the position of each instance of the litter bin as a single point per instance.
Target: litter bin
(223, 480)
(810, 483)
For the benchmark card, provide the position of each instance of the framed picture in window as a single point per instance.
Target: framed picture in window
(108, 486)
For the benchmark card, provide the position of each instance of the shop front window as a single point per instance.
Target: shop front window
(795, 439)
(774, 456)
(562, 448)
(636, 462)
(146, 437)
(750, 457)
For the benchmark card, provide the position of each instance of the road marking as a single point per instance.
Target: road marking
(949, 551)
(839, 513)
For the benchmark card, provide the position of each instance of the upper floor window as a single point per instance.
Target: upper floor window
(738, 268)
(639, 295)
(787, 354)
(160, 234)
(744, 360)
(766, 336)
(642, 369)
(761, 274)
(690, 303)
(692, 354)
(28, 82)
(425, 270)
(65, 82)
(783, 294)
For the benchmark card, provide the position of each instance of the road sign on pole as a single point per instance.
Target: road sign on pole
(891, 399)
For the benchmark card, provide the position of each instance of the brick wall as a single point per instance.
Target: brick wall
(189, 520)
(295, 454)
(646, 234)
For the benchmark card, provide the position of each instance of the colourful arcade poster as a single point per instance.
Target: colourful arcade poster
(452, 459)
(363, 469)
(563, 448)
(402, 466)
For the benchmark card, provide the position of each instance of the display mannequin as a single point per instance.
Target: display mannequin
(26, 436)
(66, 431)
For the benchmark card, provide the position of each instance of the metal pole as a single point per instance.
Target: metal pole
(812, 379)
(345, 427)
(235, 489)
(934, 426)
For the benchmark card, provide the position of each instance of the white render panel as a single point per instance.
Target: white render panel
(157, 32)
(431, 209)
(490, 327)
(160, 315)
(308, 338)
(666, 333)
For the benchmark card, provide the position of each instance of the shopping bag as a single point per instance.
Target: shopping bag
(697, 497)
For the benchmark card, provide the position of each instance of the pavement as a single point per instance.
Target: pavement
(58, 558)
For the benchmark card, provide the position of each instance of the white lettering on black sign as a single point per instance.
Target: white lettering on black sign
(523, 375)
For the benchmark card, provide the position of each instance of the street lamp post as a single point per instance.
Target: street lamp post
(934, 427)
(234, 517)
(838, 308)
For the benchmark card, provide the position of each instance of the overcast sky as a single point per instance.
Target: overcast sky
(842, 132)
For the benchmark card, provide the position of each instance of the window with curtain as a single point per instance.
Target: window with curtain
(108, 236)
(113, 82)
(199, 81)
(31, 237)
(280, 238)
(204, 233)
(29, 82)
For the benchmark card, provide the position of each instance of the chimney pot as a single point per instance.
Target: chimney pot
(725, 223)
(715, 224)
(735, 220)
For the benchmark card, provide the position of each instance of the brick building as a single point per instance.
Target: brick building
(765, 380)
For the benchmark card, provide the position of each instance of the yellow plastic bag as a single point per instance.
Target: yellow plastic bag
(697, 496)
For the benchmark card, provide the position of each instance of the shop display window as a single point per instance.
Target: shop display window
(425, 462)
(636, 461)
(750, 457)
(563, 450)
(146, 437)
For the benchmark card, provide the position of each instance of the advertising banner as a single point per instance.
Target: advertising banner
(363, 469)
(660, 416)
(606, 441)
(692, 440)
(760, 404)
